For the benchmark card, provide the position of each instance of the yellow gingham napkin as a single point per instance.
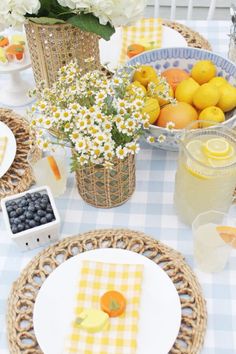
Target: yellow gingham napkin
(3, 145)
(149, 29)
(121, 336)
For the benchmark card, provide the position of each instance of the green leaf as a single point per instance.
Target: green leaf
(90, 23)
(46, 20)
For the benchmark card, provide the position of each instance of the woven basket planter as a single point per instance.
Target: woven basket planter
(53, 46)
(104, 188)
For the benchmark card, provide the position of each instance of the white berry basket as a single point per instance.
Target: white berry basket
(39, 235)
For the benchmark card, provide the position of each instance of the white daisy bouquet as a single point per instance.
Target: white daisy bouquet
(101, 119)
(97, 16)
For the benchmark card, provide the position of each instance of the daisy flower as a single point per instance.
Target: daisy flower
(151, 139)
(170, 125)
(121, 152)
(133, 147)
(161, 138)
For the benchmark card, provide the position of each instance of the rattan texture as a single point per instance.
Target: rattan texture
(194, 39)
(53, 46)
(21, 301)
(106, 188)
(19, 177)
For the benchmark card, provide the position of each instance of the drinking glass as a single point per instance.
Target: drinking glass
(211, 253)
(44, 173)
(203, 183)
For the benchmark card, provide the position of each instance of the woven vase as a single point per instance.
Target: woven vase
(53, 46)
(104, 188)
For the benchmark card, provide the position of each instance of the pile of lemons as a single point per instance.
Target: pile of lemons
(200, 94)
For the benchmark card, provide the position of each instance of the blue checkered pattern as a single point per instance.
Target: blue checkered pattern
(149, 210)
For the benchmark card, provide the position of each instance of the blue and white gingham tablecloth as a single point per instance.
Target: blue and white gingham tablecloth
(149, 210)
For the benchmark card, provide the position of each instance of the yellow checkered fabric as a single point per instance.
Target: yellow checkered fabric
(3, 145)
(121, 335)
(149, 29)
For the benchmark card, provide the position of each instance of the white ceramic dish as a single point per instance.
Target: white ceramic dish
(170, 38)
(10, 152)
(160, 309)
(184, 58)
(39, 235)
(23, 64)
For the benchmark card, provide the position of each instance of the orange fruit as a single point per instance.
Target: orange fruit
(135, 49)
(181, 114)
(174, 76)
(144, 74)
(113, 303)
(54, 167)
(228, 234)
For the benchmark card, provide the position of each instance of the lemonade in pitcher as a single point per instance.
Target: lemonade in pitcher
(206, 174)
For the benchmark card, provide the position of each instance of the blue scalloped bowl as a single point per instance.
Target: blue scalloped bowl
(184, 58)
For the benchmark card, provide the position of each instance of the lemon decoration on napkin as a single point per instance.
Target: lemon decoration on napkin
(146, 32)
(119, 334)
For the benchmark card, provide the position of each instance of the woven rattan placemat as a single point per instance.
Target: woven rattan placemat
(24, 291)
(19, 176)
(194, 39)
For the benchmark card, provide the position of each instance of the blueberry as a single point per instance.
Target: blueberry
(41, 213)
(23, 203)
(45, 196)
(12, 202)
(14, 229)
(19, 211)
(43, 220)
(49, 207)
(20, 227)
(27, 226)
(12, 214)
(37, 206)
(22, 217)
(37, 195)
(29, 215)
(31, 208)
(32, 223)
(49, 217)
(9, 209)
(43, 205)
(16, 221)
(28, 196)
(37, 218)
(27, 222)
(11, 220)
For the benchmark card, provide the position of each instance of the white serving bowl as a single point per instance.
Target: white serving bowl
(184, 58)
(39, 235)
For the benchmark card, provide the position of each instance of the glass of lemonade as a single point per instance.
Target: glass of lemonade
(51, 170)
(206, 173)
(211, 251)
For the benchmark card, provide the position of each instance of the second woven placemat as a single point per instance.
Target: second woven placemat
(24, 291)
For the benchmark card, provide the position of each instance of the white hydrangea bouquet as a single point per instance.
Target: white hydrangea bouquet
(96, 16)
(100, 119)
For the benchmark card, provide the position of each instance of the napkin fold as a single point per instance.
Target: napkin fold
(145, 30)
(121, 335)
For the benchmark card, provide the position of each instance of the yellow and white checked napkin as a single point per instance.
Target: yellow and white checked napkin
(121, 335)
(148, 29)
(3, 145)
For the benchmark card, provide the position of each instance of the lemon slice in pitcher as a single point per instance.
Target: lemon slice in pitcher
(217, 147)
(228, 234)
(194, 147)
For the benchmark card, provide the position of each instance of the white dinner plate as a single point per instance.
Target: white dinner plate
(10, 152)
(110, 50)
(160, 309)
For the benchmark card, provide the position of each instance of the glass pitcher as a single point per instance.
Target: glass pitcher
(206, 172)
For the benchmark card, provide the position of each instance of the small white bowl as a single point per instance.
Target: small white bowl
(39, 235)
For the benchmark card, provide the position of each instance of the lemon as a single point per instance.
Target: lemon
(218, 81)
(205, 96)
(160, 91)
(197, 170)
(213, 114)
(217, 147)
(194, 147)
(227, 161)
(152, 108)
(203, 71)
(185, 90)
(144, 74)
(227, 99)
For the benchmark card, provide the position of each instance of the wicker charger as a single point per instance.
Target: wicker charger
(21, 301)
(19, 177)
(193, 39)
